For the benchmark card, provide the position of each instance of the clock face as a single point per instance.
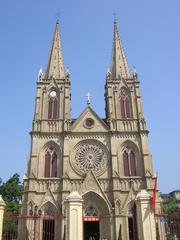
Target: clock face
(53, 94)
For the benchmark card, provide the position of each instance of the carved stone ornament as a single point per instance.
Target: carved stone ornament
(123, 93)
(89, 123)
(89, 155)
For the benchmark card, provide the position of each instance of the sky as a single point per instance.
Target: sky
(150, 32)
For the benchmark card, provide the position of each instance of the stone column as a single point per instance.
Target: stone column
(74, 223)
(145, 216)
(2, 206)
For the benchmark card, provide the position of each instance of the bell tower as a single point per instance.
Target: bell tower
(52, 105)
(122, 96)
(124, 113)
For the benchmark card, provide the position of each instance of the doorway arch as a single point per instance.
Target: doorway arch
(132, 221)
(96, 217)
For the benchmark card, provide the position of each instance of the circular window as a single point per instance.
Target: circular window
(89, 156)
(89, 123)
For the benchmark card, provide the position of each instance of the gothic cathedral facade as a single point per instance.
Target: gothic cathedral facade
(107, 161)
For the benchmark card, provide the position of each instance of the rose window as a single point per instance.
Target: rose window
(90, 156)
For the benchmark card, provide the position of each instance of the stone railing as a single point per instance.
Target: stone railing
(131, 125)
(72, 184)
(47, 126)
(41, 185)
(127, 125)
(124, 184)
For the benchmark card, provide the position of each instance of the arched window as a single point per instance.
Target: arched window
(126, 163)
(91, 211)
(50, 169)
(129, 162)
(53, 106)
(54, 165)
(47, 164)
(125, 104)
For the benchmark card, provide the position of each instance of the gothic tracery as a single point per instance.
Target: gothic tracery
(90, 156)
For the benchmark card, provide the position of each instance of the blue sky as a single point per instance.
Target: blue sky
(150, 32)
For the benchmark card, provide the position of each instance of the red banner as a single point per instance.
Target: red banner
(154, 194)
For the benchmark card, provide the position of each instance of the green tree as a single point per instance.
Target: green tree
(172, 212)
(170, 205)
(11, 192)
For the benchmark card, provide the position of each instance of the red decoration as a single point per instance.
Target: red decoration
(91, 219)
(154, 194)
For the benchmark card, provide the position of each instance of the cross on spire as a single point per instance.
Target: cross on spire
(114, 14)
(57, 15)
(88, 101)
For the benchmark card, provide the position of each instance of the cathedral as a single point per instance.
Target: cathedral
(104, 165)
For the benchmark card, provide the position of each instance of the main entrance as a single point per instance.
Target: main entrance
(96, 224)
(91, 230)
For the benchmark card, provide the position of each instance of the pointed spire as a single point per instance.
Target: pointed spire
(55, 67)
(119, 66)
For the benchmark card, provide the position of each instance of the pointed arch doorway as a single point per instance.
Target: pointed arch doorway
(91, 223)
(132, 221)
(96, 223)
(48, 226)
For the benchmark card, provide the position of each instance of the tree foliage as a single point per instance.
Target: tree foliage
(170, 205)
(11, 191)
(172, 218)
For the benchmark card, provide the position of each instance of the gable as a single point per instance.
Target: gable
(89, 121)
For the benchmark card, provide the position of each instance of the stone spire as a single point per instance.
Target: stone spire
(119, 67)
(55, 67)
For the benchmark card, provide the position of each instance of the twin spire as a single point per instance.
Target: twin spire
(119, 67)
(55, 68)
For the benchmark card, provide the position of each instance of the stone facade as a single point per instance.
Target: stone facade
(107, 161)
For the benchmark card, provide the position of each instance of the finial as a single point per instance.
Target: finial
(88, 95)
(135, 73)
(108, 73)
(40, 74)
(67, 72)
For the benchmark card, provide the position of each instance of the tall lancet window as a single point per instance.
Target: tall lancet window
(125, 104)
(53, 106)
(129, 162)
(50, 166)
